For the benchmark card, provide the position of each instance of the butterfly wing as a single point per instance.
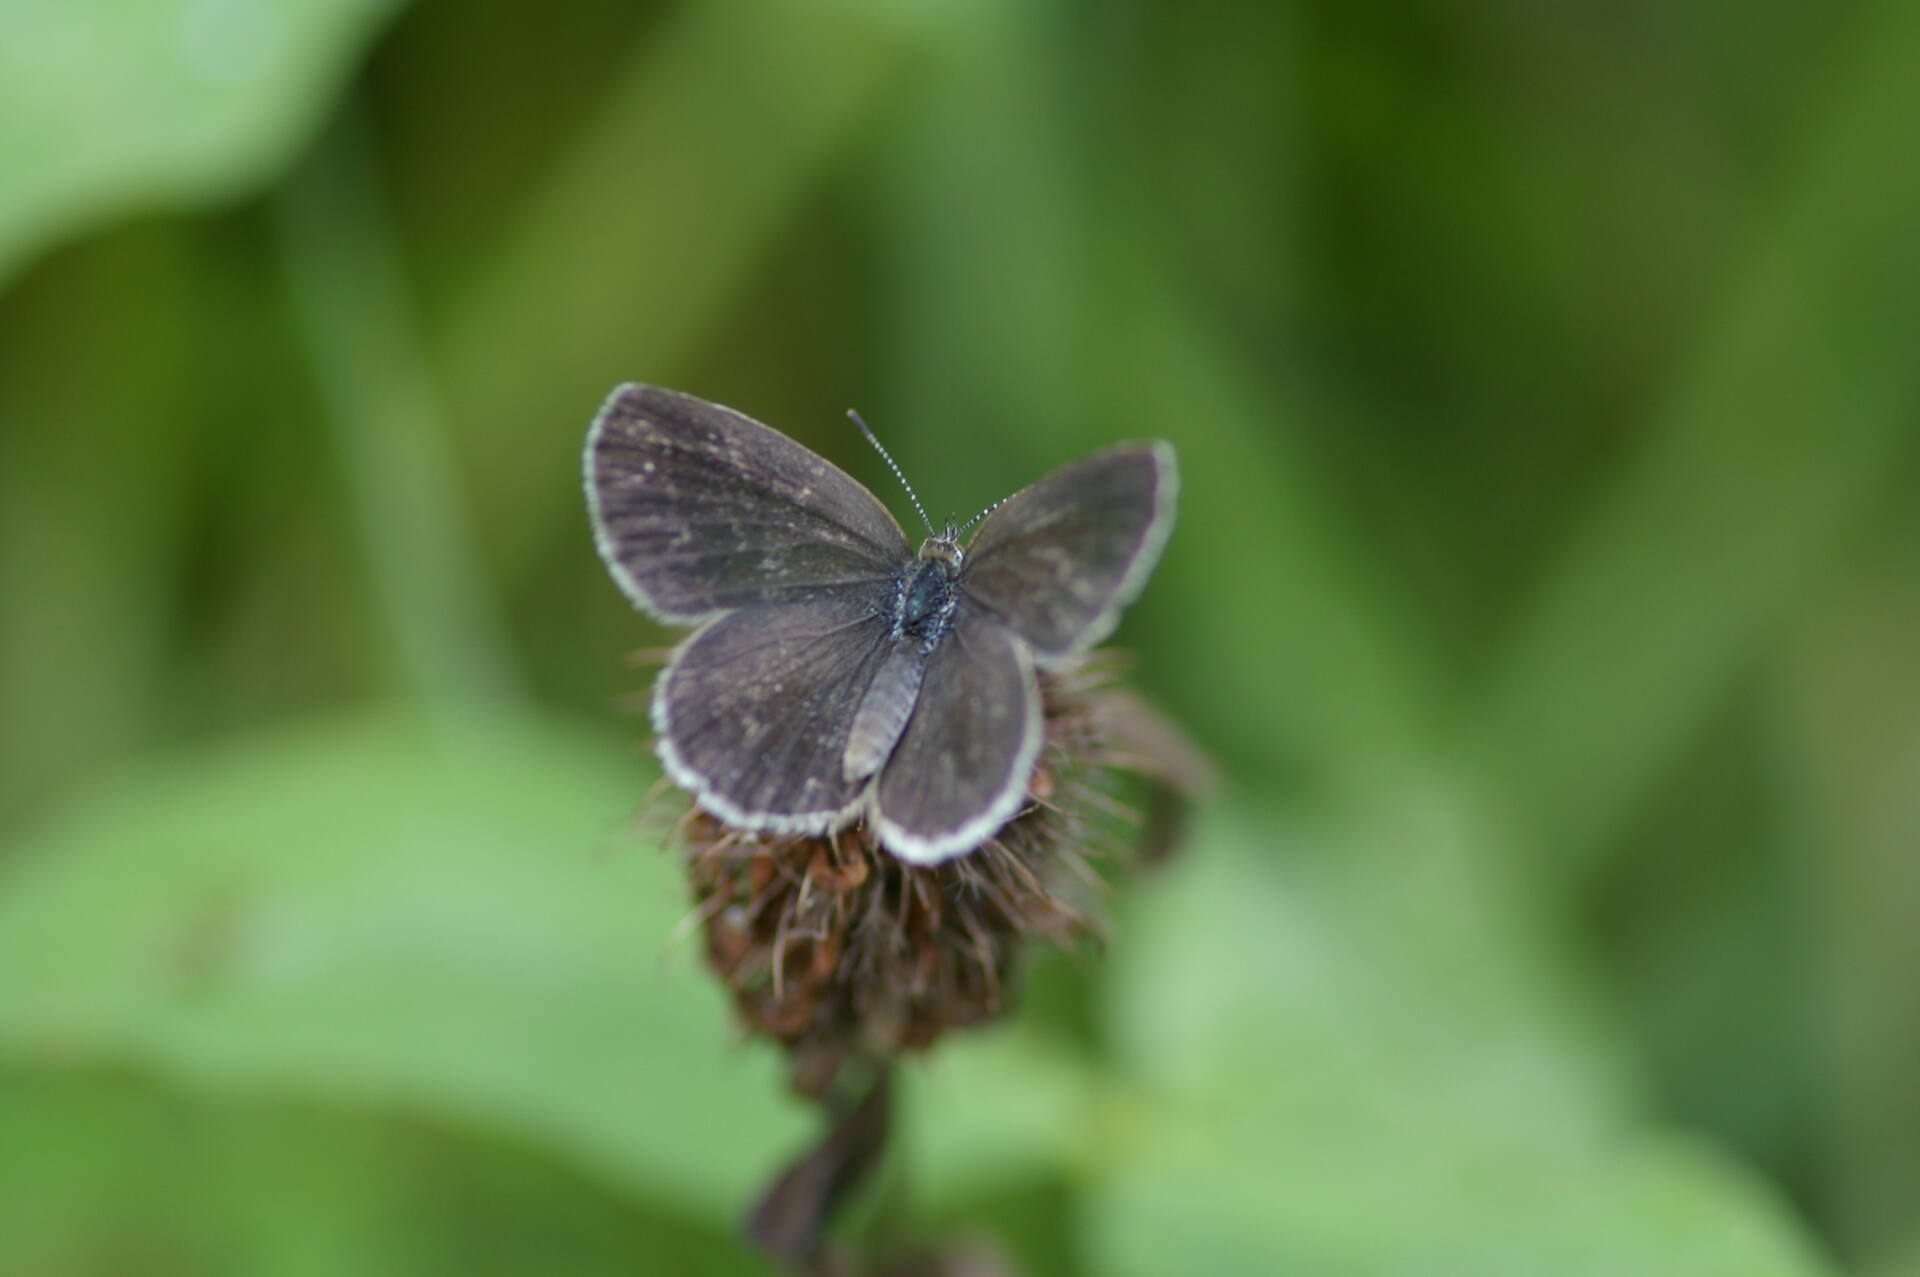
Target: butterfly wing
(697, 509)
(1058, 560)
(961, 768)
(754, 711)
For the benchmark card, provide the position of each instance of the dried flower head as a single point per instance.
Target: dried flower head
(838, 950)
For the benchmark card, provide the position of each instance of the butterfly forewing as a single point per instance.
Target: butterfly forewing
(754, 711)
(960, 770)
(1058, 560)
(698, 509)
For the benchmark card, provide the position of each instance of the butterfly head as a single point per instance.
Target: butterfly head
(944, 548)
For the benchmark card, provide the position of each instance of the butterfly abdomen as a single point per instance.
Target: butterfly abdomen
(883, 712)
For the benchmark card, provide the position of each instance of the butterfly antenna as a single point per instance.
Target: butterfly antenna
(920, 509)
(983, 514)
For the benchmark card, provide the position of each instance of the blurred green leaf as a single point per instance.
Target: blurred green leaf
(1906, 1263)
(1778, 441)
(1319, 668)
(1850, 702)
(1011, 1104)
(104, 1174)
(109, 106)
(368, 910)
(347, 281)
(1338, 1072)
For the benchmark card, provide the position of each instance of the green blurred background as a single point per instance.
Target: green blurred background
(1546, 380)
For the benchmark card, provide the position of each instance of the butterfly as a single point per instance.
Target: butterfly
(836, 674)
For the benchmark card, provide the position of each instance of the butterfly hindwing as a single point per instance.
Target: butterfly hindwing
(753, 713)
(961, 768)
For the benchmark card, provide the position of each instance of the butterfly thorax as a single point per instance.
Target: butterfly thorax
(929, 590)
